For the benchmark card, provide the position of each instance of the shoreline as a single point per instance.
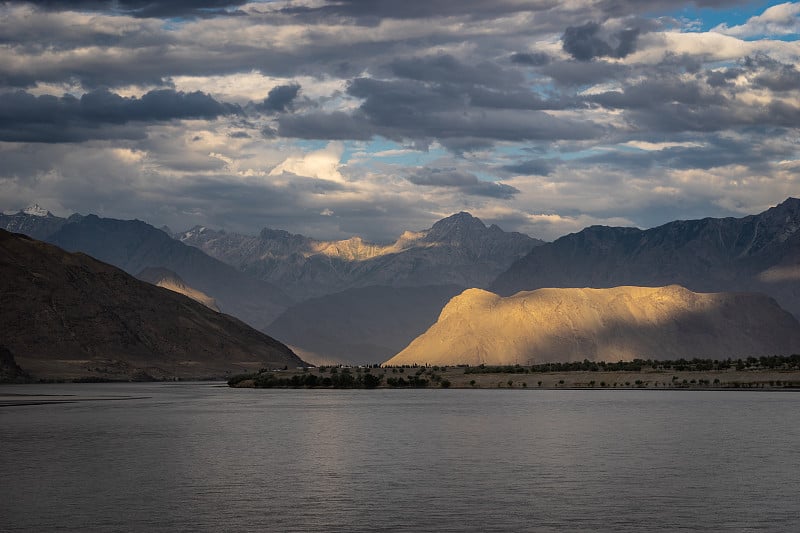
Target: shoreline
(457, 378)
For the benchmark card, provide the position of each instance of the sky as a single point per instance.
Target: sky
(371, 117)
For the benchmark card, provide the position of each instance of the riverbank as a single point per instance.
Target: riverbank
(474, 378)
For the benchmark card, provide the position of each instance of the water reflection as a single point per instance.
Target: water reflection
(206, 458)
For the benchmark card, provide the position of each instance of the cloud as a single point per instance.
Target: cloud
(535, 59)
(99, 114)
(585, 43)
(321, 164)
(445, 68)
(781, 19)
(144, 8)
(465, 182)
(411, 106)
(414, 110)
(541, 167)
(279, 99)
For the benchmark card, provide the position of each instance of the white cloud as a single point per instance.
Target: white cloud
(779, 20)
(321, 164)
(651, 146)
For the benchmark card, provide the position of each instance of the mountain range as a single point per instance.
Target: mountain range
(354, 301)
(620, 323)
(133, 246)
(457, 250)
(69, 315)
(759, 253)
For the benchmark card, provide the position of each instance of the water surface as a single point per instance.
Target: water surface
(201, 457)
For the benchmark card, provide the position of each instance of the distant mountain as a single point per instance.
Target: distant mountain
(360, 326)
(68, 315)
(621, 323)
(33, 221)
(755, 253)
(162, 277)
(458, 250)
(133, 245)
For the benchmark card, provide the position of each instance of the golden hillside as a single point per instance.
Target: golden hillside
(619, 323)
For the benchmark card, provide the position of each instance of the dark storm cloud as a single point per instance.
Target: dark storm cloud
(762, 71)
(465, 182)
(97, 114)
(404, 110)
(655, 92)
(713, 151)
(676, 105)
(337, 125)
(575, 73)
(771, 74)
(143, 8)
(722, 78)
(585, 43)
(370, 11)
(536, 59)
(279, 99)
(531, 167)
(447, 69)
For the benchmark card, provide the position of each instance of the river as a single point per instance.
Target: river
(204, 457)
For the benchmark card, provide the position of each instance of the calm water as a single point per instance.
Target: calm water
(200, 457)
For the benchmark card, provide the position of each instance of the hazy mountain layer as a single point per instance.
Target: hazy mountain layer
(458, 250)
(134, 245)
(69, 315)
(162, 277)
(357, 326)
(755, 253)
(621, 323)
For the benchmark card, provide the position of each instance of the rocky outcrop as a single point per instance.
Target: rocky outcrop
(458, 250)
(759, 253)
(615, 324)
(67, 315)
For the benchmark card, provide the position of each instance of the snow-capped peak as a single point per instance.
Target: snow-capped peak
(36, 210)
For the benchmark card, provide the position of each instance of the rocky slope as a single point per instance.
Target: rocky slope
(167, 279)
(68, 315)
(458, 250)
(755, 253)
(10, 372)
(621, 323)
(133, 245)
(360, 326)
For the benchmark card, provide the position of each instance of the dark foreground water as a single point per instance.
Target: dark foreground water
(200, 457)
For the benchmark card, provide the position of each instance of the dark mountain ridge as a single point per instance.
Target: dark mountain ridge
(67, 315)
(754, 253)
(133, 246)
